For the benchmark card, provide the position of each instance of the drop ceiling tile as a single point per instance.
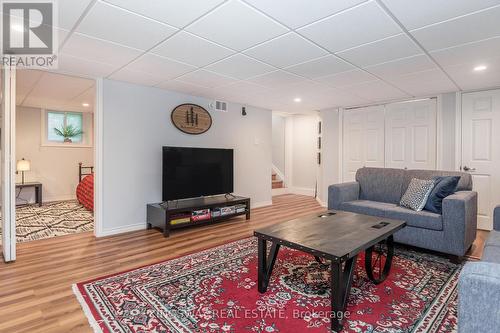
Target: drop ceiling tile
(396, 47)
(179, 86)
(424, 83)
(191, 49)
(296, 13)
(240, 67)
(55, 87)
(86, 97)
(206, 79)
(345, 79)
(69, 11)
(82, 67)
(123, 27)
(300, 89)
(416, 14)
(92, 49)
(404, 66)
(466, 29)
(363, 24)
(25, 81)
(286, 50)
(244, 87)
(237, 26)
(159, 67)
(376, 91)
(141, 78)
(321, 67)
(468, 79)
(475, 53)
(175, 12)
(276, 79)
(339, 98)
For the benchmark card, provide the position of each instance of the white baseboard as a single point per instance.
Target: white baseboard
(321, 202)
(120, 230)
(31, 198)
(261, 204)
(279, 191)
(302, 191)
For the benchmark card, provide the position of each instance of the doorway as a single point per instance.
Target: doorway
(480, 156)
(54, 155)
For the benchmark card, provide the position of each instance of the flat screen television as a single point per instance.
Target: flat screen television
(196, 172)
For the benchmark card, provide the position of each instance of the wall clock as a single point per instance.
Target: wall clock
(191, 119)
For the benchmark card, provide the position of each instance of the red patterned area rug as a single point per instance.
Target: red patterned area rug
(215, 291)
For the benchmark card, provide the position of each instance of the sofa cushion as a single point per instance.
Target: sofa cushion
(493, 239)
(422, 219)
(491, 254)
(366, 207)
(444, 186)
(464, 184)
(380, 184)
(417, 193)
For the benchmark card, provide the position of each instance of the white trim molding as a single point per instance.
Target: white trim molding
(261, 204)
(322, 204)
(98, 169)
(302, 191)
(122, 229)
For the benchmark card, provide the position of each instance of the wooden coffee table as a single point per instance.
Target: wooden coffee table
(337, 237)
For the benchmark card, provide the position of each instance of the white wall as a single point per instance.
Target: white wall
(55, 167)
(304, 169)
(447, 141)
(278, 152)
(331, 146)
(136, 124)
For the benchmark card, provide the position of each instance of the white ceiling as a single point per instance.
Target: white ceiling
(54, 91)
(268, 52)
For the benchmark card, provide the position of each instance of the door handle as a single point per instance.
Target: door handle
(466, 168)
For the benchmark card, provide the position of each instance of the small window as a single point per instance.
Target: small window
(57, 121)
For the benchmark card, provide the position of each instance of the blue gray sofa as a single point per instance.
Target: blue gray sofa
(479, 287)
(378, 191)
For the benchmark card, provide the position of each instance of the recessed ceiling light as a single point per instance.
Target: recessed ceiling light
(297, 100)
(480, 68)
(85, 105)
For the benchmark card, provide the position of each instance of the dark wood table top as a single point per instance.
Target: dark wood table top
(336, 237)
(28, 184)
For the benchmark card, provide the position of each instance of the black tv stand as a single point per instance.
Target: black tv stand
(159, 215)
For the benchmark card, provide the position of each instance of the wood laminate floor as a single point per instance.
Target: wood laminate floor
(35, 291)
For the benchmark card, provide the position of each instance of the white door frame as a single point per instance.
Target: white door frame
(8, 163)
(98, 158)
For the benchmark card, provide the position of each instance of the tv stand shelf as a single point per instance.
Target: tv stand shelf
(159, 215)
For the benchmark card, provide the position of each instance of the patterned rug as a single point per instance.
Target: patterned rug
(215, 291)
(52, 219)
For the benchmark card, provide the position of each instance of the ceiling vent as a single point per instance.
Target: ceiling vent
(221, 106)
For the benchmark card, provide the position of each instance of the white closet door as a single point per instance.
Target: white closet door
(363, 143)
(410, 135)
(480, 152)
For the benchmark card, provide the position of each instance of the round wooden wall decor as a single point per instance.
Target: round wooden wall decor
(191, 119)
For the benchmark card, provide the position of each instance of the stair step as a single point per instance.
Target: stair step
(274, 176)
(277, 184)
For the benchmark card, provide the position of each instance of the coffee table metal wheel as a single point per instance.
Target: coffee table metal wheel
(378, 260)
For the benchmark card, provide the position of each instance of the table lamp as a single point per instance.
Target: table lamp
(23, 165)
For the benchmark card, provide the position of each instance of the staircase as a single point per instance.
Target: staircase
(277, 183)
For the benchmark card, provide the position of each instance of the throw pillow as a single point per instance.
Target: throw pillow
(444, 187)
(417, 193)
